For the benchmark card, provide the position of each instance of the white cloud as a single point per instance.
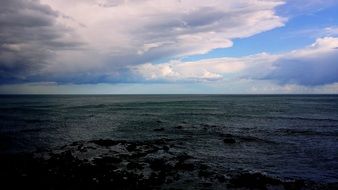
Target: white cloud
(325, 43)
(331, 31)
(121, 33)
(316, 64)
(210, 69)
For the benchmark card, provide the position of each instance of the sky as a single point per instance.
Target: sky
(168, 47)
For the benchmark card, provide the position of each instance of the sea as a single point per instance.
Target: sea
(285, 136)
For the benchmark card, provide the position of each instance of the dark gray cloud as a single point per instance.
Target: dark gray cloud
(311, 71)
(29, 34)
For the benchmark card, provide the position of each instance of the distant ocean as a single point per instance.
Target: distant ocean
(284, 136)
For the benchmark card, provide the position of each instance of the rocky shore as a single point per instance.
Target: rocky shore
(119, 164)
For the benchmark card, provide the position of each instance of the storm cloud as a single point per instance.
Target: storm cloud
(29, 35)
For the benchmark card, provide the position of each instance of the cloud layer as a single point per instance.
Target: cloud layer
(313, 65)
(95, 41)
(144, 41)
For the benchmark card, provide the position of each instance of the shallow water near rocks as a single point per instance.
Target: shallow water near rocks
(283, 137)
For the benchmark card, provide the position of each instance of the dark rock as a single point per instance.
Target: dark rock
(157, 164)
(169, 180)
(131, 147)
(159, 129)
(206, 184)
(205, 173)
(185, 166)
(227, 135)
(133, 165)
(207, 126)
(252, 181)
(221, 178)
(107, 160)
(203, 167)
(297, 184)
(183, 157)
(157, 179)
(105, 142)
(81, 148)
(143, 167)
(247, 139)
(179, 127)
(166, 148)
(229, 141)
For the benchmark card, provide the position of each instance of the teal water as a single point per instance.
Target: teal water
(284, 136)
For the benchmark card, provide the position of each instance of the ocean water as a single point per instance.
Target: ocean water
(283, 136)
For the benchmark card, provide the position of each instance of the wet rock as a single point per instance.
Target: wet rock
(185, 166)
(221, 178)
(252, 181)
(169, 180)
(157, 164)
(203, 167)
(131, 165)
(105, 142)
(297, 184)
(131, 147)
(207, 184)
(107, 160)
(157, 179)
(134, 165)
(81, 148)
(183, 157)
(205, 173)
(166, 148)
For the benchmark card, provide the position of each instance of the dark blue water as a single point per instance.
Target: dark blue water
(283, 136)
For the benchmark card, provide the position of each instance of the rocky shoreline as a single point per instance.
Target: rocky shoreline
(121, 164)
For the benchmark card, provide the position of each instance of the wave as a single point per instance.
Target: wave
(283, 117)
(243, 138)
(306, 132)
